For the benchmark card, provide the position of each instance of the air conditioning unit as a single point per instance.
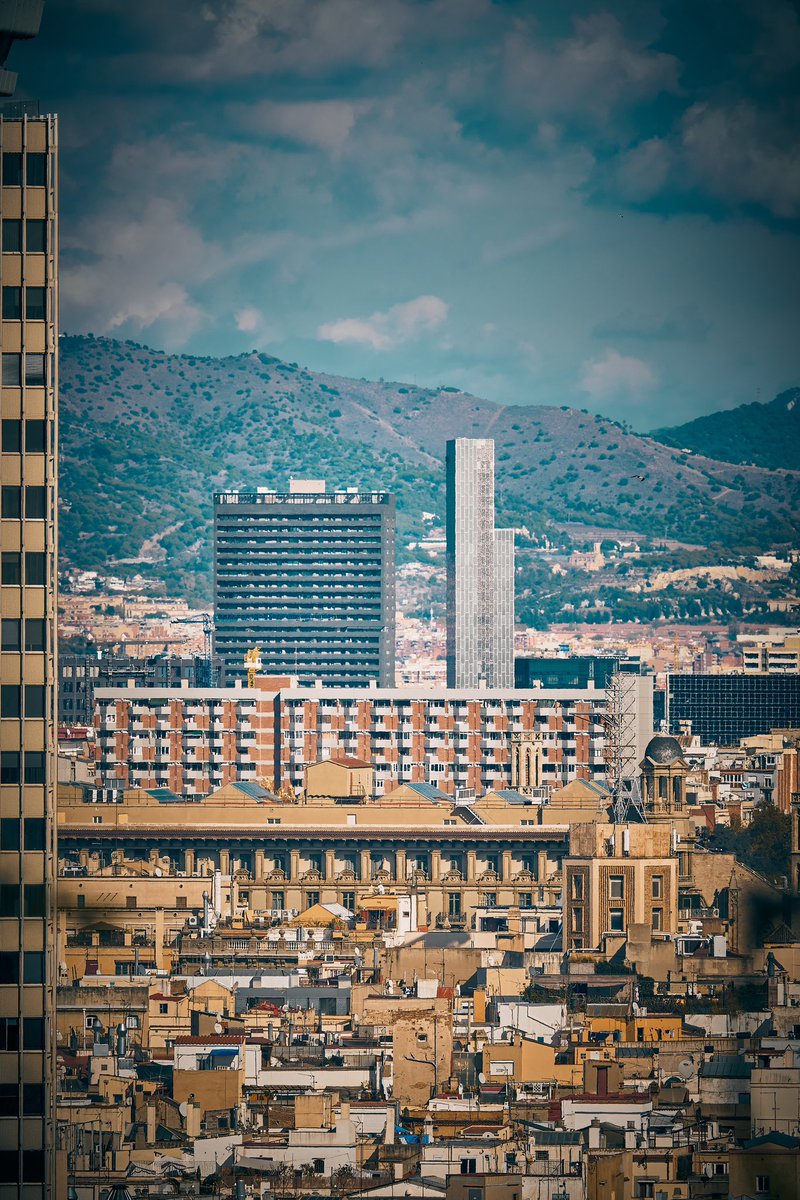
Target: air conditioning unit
(192, 921)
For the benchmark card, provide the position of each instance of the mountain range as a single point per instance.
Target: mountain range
(147, 437)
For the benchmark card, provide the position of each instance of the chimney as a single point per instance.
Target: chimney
(151, 1124)
(630, 1136)
(594, 1135)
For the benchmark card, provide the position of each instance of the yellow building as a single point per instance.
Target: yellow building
(617, 876)
(28, 542)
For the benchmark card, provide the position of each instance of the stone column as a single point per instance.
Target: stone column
(294, 865)
(436, 866)
(330, 865)
(505, 866)
(471, 866)
(400, 871)
(366, 866)
(189, 862)
(258, 867)
(225, 862)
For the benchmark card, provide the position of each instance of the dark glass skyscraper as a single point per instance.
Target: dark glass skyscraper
(308, 577)
(722, 709)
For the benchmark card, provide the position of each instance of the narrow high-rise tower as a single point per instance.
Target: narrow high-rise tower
(28, 602)
(480, 572)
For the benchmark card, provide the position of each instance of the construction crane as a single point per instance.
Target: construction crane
(208, 630)
(252, 661)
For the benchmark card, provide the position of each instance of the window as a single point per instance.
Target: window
(9, 899)
(12, 303)
(80, 900)
(469, 1166)
(11, 502)
(10, 567)
(35, 502)
(474, 1193)
(9, 773)
(11, 633)
(278, 900)
(616, 887)
(34, 700)
(658, 918)
(656, 886)
(312, 898)
(645, 1189)
(181, 902)
(577, 920)
(10, 700)
(12, 436)
(526, 899)
(12, 236)
(35, 633)
(490, 899)
(33, 1162)
(9, 1033)
(34, 831)
(616, 920)
(32, 1099)
(34, 370)
(12, 370)
(35, 436)
(349, 900)
(9, 1099)
(34, 906)
(577, 887)
(130, 902)
(163, 1009)
(35, 773)
(35, 568)
(34, 303)
(454, 904)
(35, 235)
(9, 831)
(9, 966)
(36, 170)
(12, 170)
(33, 1033)
(762, 1183)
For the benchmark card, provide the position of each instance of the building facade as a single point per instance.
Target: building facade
(480, 571)
(80, 674)
(28, 532)
(193, 740)
(308, 578)
(723, 709)
(776, 652)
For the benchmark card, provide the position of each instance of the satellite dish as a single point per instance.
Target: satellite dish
(481, 1077)
(183, 1108)
(217, 1027)
(685, 1069)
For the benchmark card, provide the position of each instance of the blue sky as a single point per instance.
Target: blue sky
(540, 203)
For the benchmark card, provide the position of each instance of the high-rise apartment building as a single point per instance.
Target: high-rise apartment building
(308, 578)
(28, 358)
(480, 572)
(723, 709)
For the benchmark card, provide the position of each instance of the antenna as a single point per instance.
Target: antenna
(620, 753)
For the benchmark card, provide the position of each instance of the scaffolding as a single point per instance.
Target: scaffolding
(621, 751)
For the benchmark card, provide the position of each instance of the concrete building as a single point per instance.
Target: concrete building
(480, 572)
(776, 652)
(80, 674)
(28, 581)
(194, 739)
(307, 578)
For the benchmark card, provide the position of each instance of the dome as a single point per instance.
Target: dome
(663, 750)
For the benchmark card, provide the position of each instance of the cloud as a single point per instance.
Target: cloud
(684, 324)
(740, 153)
(323, 124)
(590, 74)
(614, 375)
(385, 330)
(248, 320)
(169, 302)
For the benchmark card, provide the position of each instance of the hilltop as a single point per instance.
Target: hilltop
(766, 435)
(146, 437)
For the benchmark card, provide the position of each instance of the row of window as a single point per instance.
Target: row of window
(35, 562)
(32, 1033)
(35, 498)
(616, 920)
(11, 634)
(34, 902)
(30, 167)
(616, 887)
(18, 701)
(34, 370)
(24, 236)
(31, 300)
(13, 769)
(35, 436)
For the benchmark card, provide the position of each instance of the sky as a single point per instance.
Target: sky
(538, 202)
